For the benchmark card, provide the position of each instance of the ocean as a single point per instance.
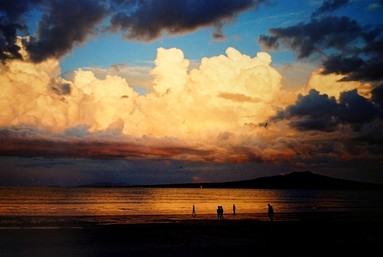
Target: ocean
(129, 205)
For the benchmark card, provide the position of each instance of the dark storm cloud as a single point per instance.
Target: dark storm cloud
(315, 36)
(341, 65)
(355, 109)
(346, 47)
(330, 6)
(317, 111)
(371, 70)
(150, 18)
(363, 63)
(11, 23)
(312, 112)
(63, 24)
(66, 23)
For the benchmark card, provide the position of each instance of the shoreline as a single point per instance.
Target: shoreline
(58, 221)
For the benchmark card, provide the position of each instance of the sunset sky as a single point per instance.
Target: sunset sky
(163, 91)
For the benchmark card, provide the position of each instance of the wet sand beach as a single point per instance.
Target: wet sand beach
(302, 234)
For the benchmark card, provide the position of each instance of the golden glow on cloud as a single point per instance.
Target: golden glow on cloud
(332, 85)
(224, 92)
(214, 112)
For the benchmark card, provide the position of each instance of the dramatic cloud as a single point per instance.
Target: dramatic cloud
(346, 47)
(317, 111)
(341, 65)
(206, 113)
(216, 112)
(338, 115)
(320, 129)
(12, 22)
(211, 113)
(315, 36)
(65, 24)
(146, 20)
(333, 85)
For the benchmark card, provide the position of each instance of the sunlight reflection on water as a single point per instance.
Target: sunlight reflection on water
(174, 201)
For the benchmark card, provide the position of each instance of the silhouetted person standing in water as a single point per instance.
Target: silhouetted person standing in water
(234, 209)
(270, 212)
(193, 212)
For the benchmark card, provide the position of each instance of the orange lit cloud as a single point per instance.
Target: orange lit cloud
(226, 95)
(223, 110)
(332, 85)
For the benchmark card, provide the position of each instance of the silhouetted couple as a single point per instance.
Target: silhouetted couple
(220, 213)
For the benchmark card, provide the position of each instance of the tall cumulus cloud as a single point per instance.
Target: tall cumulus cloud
(211, 109)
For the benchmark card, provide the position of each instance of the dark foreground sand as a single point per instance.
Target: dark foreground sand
(300, 235)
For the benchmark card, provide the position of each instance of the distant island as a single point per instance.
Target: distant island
(293, 180)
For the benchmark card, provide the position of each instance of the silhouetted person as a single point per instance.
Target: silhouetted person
(193, 212)
(234, 209)
(221, 213)
(270, 212)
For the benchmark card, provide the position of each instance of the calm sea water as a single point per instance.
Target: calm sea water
(149, 201)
